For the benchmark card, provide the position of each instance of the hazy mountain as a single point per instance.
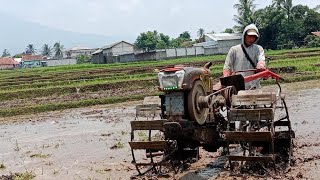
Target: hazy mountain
(16, 34)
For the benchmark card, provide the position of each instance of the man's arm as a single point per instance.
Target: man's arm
(228, 64)
(261, 59)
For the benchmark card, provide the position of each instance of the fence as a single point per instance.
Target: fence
(60, 62)
(164, 54)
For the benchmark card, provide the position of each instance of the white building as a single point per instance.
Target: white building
(78, 50)
(219, 43)
(118, 48)
(107, 53)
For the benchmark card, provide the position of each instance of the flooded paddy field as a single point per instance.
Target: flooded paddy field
(92, 143)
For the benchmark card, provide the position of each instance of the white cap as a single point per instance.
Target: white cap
(252, 32)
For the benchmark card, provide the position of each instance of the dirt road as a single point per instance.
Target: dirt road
(91, 143)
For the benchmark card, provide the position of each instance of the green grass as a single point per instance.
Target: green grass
(24, 176)
(300, 50)
(40, 155)
(75, 83)
(67, 105)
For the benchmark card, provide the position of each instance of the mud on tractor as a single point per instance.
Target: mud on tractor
(195, 113)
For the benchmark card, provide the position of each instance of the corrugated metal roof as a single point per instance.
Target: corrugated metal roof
(111, 45)
(97, 51)
(79, 48)
(316, 33)
(224, 36)
(30, 57)
(206, 44)
(8, 61)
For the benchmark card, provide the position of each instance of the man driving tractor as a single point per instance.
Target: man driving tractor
(246, 55)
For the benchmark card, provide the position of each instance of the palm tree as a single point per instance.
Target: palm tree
(46, 50)
(200, 33)
(30, 49)
(5, 53)
(246, 9)
(58, 50)
(286, 6)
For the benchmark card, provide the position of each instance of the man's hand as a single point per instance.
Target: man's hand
(226, 72)
(261, 65)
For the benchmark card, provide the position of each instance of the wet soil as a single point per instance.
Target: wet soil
(92, 143)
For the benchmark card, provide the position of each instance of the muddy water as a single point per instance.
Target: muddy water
(305, 115)
(304, 112)
(82, 143)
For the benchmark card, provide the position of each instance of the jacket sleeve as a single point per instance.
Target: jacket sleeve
(228, 64)
(261, 59)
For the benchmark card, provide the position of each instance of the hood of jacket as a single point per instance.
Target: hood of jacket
(250, 26)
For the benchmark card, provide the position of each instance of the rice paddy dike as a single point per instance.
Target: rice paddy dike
(29, 91)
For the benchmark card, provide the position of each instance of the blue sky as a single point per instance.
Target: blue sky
(128, 18)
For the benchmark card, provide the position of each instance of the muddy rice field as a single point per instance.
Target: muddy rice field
(92, 143)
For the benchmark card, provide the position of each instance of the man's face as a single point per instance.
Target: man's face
(250, 39)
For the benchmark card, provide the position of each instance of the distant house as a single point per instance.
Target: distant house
(220, 42)
(8, 63)
(109, 53)
(75, 51)
(316, 33)
(30, 61)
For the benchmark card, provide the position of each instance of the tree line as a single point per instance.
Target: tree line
(56, 51)
(281, 25)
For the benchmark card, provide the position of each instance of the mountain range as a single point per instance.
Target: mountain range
(16, 34)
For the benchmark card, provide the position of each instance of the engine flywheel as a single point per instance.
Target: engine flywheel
(197, 113)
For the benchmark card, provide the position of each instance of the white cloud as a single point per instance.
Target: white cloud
(128, 5)
(175, 10)
(130, 17)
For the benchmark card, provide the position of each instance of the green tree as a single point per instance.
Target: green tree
(30, 49)
(312, 41)
(286, 6)
(18, 55)
(147, 41)
(246, 10)
(161, 45)
(271, 26)
(46, 50)
(151, 40)
(185, 35)
(5, 53)
(283, 25)
(311, 21)
(82, 59)
(181, 42)
(228, 30)
(165, 39)
(58, 50)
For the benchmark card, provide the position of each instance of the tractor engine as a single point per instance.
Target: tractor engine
(193, 117)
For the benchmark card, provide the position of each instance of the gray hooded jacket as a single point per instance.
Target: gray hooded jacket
(236, 59)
